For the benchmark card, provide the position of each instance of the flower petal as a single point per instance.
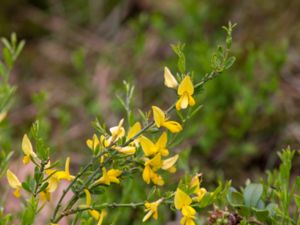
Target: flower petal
(181, 199)
(170, 80)
(186, 85)
(159, 116)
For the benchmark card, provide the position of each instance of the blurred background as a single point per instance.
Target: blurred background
(78, 53)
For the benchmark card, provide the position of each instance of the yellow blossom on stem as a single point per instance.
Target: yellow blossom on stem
(94, 213)
(14, 183)
(168, 164)
(45, 195)
(195, 184)
(151, 209)
(188, 213)
(93, 143)
(185, 92)
(161, 121)
(110, 176)
(27, 149)
(117, 132)
(136, 128)
(65, 175)
(150, 148)
(170, 80)
(127, 150)
(149, 172)
(182, 201)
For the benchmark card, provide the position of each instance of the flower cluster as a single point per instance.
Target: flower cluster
(140, 149)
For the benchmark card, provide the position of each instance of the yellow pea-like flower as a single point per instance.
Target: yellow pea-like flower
(195, 184)
(168, 164)
(135, 129)
(149, 148)
(93, 143)
(117, 132)
(185, 92)
(151, 209)
(127, 150)
(149, 172)
(181, 199)
(14, 183)
(94, 213)
(161, 121)
(65, 175)
(27, 149)
(108, 177)
(188, 213)
(169, 79)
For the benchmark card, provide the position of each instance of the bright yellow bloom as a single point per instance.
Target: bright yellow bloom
(151, 209)
(94, 213)
(14, 183)
(45, 195)
(27, 149)
(117, 132)
(170, 80)
(161, 120)
(188, 213)
(93, 143)
(150, 148)
(127, 150)
(136, 128)
(65, 175)
(169, 163)
(181, 199)
(110, 176)
(54, 224)
(149, 173)
(185, 91)
(195, 184)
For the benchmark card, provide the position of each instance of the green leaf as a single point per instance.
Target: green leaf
(252, 194)
(297, 200)
(261, 214)
(298, 182)
(229, 62)
(235, 198)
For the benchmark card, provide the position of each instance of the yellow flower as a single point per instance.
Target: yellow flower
(181, 199)
(161, 120)
(136, 128)
(65, 175)
(93, 143)
(150, 148)
(94, 213)
(170, 80)
(45, 195)
(169, 163)
(127, 150)
(185, 91)
(195, 184)
(110, 176)
(14, 183)
(117, 132)
(151, 209)
(188, 213)
(149, 172)
(27, 149)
